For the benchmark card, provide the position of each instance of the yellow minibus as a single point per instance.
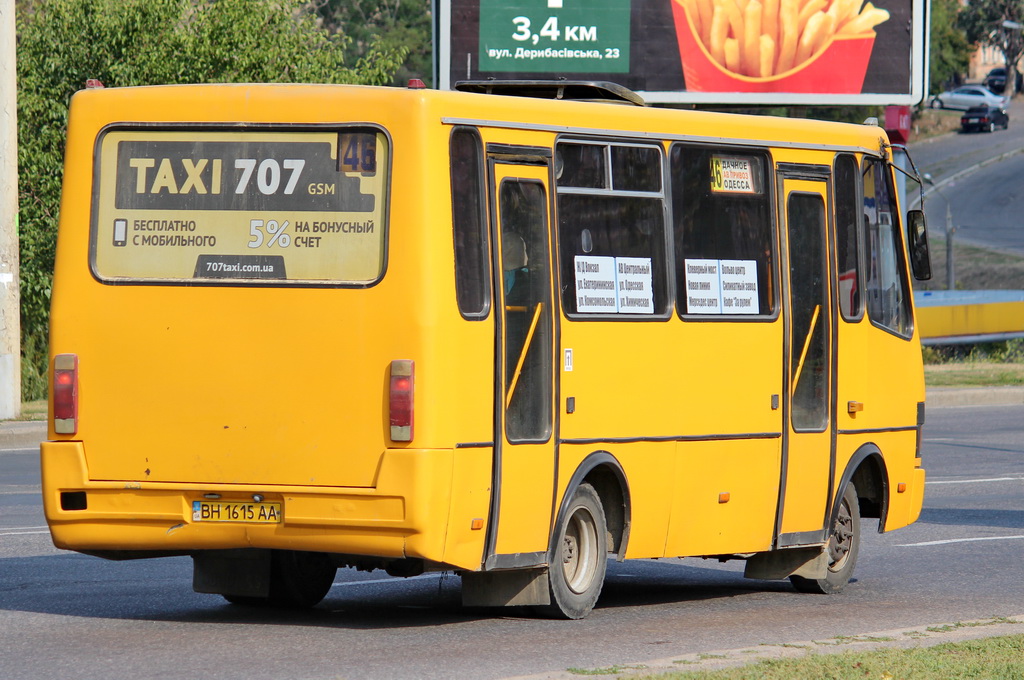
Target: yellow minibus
(508, 332)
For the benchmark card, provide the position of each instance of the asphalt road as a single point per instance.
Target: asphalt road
(980, 174)
(64, 614)
(68, 615)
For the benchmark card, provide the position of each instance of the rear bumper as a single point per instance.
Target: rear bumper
(404, 515)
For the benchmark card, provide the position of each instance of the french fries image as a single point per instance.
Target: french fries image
(765, 38)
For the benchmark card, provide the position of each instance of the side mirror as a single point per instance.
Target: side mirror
(920, 260)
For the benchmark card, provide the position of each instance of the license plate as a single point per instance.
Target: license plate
(227, 511)
(973, 120)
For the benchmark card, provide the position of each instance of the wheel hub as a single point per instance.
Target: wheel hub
(570, 550)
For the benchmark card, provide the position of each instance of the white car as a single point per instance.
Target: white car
(966, 96)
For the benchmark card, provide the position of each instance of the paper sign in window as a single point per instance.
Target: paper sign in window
(703, 287)
(739, 286)
(614, 285)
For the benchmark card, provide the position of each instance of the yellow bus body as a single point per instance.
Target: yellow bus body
(189, 391)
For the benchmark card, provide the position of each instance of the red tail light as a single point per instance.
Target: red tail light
(400, 400)
(65, 393)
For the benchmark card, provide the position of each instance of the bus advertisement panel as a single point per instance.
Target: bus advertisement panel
(696, 51)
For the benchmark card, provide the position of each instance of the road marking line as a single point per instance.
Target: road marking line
(42, 526)
(393, 579)
(974, 481)
(21, 533)
(961, 540)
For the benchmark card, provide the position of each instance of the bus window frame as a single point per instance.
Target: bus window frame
(770, 181)
(484, 234)
(237, 127)
(900, 248)
(664, 195)
(859, 229)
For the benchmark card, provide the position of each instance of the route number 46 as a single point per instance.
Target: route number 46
(359, 153)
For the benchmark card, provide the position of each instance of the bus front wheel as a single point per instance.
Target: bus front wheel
(579, 558)
(843, 544)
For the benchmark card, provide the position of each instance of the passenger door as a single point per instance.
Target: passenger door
(522, 494)
(809, 430)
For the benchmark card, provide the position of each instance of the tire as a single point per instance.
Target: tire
(579, 557)
(298, 580)
(936, 104)
(991, 127)
(843, 544)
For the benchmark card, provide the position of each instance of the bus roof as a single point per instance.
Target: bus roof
(235, 104)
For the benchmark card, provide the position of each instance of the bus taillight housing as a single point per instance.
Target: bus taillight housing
(65, 393)
(400, 400)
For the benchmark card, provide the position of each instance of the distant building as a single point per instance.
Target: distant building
(984, 59)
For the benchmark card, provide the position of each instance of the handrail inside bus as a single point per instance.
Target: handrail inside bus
(522, 354)
(807, 346)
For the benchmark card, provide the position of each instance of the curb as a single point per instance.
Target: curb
(22, 434)
(900, 638)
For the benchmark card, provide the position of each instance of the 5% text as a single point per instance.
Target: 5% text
(274, 233)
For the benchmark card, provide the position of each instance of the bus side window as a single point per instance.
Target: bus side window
(723, 232)
(472, 266)
(611, 225)
(886, 289)
(847, 243)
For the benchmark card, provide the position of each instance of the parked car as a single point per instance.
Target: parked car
(966, 96)
(996, 80)
(984, 119)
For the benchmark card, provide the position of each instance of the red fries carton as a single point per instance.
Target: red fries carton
(839, 68)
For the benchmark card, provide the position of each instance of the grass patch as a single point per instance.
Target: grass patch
(1000, 657)
(932, 122)
(609, 670)
(974, 268)
(33, 410)
(974, 374)
(850, 639)
(988, 364)
(949, 627)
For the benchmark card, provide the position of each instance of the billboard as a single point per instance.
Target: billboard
(820, 52)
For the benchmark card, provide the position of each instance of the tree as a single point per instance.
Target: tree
(997, 23)
(391, 23)
(61, 43)
(949, 56)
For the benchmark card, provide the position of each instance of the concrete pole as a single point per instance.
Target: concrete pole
(950, 266)
(10, 314)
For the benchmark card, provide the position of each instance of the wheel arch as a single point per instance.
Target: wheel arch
(602, 471)
(867, 470)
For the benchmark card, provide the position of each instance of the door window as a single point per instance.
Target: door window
(528, 334)
(809, 297)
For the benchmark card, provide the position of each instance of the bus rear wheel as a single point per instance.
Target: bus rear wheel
(298, 580)
(579, 558)
(843, 544)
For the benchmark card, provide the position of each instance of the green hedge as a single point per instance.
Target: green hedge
(62, 43)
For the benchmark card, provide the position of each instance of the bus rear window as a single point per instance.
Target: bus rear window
(257, 206)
